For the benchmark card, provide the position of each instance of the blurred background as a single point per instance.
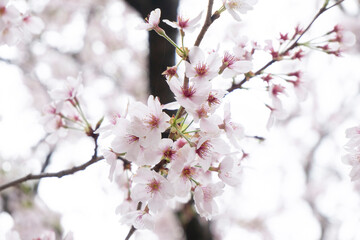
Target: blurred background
(294, 185)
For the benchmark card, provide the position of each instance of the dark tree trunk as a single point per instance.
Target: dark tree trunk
(161, 52)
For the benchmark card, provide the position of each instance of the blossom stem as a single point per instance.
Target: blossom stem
(188, 126)
(71, 120)
(171, 41)
(182, 134)
(78, 107)
(196, 182)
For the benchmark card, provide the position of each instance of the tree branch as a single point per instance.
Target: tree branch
(208, 21)
(292, 46)
(59, 174)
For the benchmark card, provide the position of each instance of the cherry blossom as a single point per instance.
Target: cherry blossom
(182, 171)
(139, 219)
(353, 159)
(111, 159)
(190, 97)
(232, 65)
(229, 171)
(152, 117)
(234, 131)
(130, 138)
(32, 25)
(9, 34)
(300, 88)
(275, 91)
(276, 113)
(204, 199)
(241, 6)
(354, 137)
(201, 67)
(185, 24)
(151, 188)
(152, 21)
(69, 91)
(207, 147)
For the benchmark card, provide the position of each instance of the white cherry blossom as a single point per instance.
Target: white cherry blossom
(185, 24)
(151, 188)
(190, 97)
(152, 21)
(230, 172)
(238, 6)
(204, 199)
(202, 67)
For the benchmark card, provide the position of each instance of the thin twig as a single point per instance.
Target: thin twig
(208, 21)
(292, 46)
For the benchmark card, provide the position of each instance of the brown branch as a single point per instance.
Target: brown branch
(285, 52)
(59, 174)
(62, 173)
(208, 21)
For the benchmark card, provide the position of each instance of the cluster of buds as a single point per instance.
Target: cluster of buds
(289, 47)
(65, 111)
(15, 25)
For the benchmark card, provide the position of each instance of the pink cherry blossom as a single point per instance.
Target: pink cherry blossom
(182, 170)
(204, 199)
(185, 24)
(234, 131)
(32, 24)
(233, 66)
(163, 150)
(152, 21)
(207, 147)
(151, 188)
(190, 97)
(300, 88)
(139, 219)
(275, 91)
(9, 34)
(230, 172)
(111, 159)
(353, 159)
(71, 88)
(276, 113)
(153, 118)
(130, 139)
(201, 67)
(200, 112)
(354, 137)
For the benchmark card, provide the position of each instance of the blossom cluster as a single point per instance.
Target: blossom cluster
(170, 157)
(15, 26)
(194, 152)
(65, 111)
